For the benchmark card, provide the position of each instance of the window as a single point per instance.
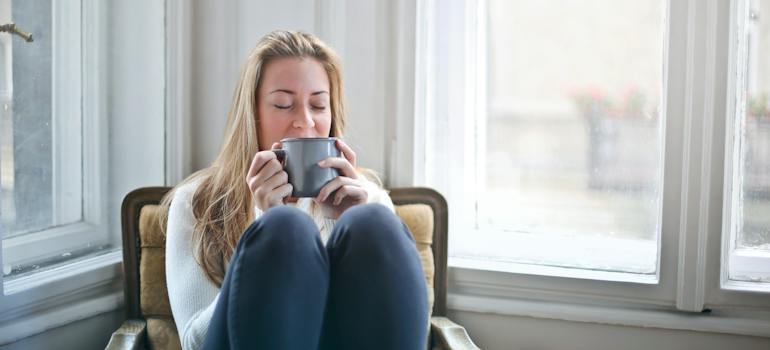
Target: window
(564, 136)
(747, 233)
(82, 115)
(45, 218)
(585, 151)
(569, 171)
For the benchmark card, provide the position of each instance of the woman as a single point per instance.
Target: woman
(249, 267)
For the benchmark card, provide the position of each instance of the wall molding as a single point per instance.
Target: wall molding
(736, 323)
(62, 295)
(178, 72)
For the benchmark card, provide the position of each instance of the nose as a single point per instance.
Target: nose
(303, 119)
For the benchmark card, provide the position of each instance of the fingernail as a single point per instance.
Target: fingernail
(322, 163)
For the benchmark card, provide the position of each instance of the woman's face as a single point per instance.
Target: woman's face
(293, 101)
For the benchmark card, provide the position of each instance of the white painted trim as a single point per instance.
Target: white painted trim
(738, 9)
(37, 294)
(66, 271)
(330, 18)
(91, 181)
(66, 113)
(3, 271)
(513, 285)
(707, 146)
(27, 248)
(751, 324)
(696, 165)
(749, 264)
(733, 261)
(95, 124)
(401, 160)
(33, 296)
(682, 297)
(551, 271)
(64, 314)
(477, 109)
(178, 76)
(424, 89)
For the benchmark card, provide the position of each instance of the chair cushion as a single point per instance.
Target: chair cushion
(149, 227)
(419, 219)
(152, 270)
(153, 296)
(162, 334)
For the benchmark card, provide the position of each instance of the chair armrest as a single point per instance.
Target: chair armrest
(130, 336)
(449, 335)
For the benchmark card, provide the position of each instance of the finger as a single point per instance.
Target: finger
(344, 166)
(259, 160)
(277, 180)
(277, 195)
(347, 152)
(330, 187)
(270, 168)
(333, 185)
(277, 145)
(349, 191)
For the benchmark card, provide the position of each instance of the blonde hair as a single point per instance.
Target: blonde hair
(222, 204)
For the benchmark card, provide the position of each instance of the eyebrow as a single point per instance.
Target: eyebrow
(293, 93)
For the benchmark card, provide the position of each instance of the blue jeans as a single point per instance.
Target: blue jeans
(285, 290)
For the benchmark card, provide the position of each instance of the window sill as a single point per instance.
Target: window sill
(600, 257)
(64, 294)
(551, 271)
(491, 292)
(742, 286)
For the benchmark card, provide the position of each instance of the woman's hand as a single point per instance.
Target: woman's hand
(349, 188)
(267, 181)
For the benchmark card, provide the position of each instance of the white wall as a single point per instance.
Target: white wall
(223, 35)
(505, 332)
(91, 333)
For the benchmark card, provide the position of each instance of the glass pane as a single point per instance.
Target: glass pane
(755, 138)
(30, 199)
(572, 167)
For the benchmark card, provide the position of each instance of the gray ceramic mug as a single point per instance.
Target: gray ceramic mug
(300, 157)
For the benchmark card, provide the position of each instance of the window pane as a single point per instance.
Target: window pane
(572, 168)
(751, 233)
(36, 185)
(755, 232)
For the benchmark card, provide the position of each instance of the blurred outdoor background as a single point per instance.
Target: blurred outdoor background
(573, 135)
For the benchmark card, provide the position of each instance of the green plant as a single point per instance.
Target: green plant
(593, 101)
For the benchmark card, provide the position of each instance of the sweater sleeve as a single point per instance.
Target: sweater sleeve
(377, 194)
(192, 296)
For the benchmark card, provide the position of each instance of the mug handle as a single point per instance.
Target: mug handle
(281, 155)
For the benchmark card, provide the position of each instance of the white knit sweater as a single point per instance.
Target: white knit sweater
(192, 296)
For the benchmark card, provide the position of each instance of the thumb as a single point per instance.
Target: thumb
(277, 145)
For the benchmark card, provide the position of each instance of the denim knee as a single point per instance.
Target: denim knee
(370, 224)
(282, 226)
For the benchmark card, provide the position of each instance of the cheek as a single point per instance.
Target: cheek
(324, 124)
(271, 128)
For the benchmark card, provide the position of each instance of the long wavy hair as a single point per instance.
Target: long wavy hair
(222, 203)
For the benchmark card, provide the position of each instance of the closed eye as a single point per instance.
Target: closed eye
(282, 107)
(320, 108)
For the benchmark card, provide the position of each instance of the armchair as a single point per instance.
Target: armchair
(150, 325)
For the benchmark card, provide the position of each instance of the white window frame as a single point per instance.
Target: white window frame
(689, 273)
(51, 298)
(69, 156)
(84, 287)
(737, 260)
